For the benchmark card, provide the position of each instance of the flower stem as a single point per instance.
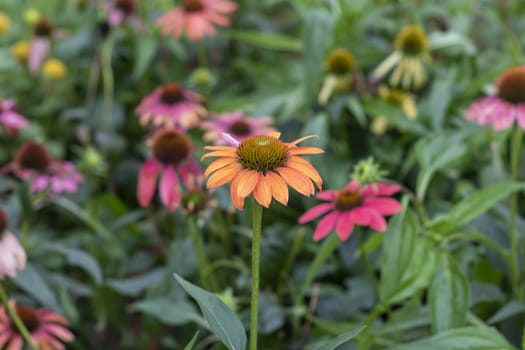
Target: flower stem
(108, 82)
(328, 247)
(515, 150)
(257, 210)
(208, 279)
(16, 319)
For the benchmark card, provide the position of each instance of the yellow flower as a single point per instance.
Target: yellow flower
(20, 50)
(340, 66)
(379, 125)
(4, 23)
(31, 15)
(54, 69)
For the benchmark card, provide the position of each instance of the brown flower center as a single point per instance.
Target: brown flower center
(340, 61)
(171, 93)
(262, 153)
(511, 85)
(43, 27)
(170, 147)
(412, 41)
(29, 318)
(126, 6)
(192, 5)
(3, 222)
(240, 127)
(348, 199)
(33, 156)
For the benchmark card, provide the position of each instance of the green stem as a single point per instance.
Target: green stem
(517, 138)
(16, 319)
(328, 247)
(296, 245)
(208, 280)
(223, 231)
(203, 56)
(257, 210)
(108, 82)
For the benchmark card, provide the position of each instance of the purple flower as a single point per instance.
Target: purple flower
(236, 124)
(10, 119)
(121, 11)
(12, 255)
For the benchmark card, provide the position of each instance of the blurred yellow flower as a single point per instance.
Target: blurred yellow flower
(340, 66)
(54, 69)
(4, 23)
(31, 15)
(401, 99)
(379, 125)
(20, 50)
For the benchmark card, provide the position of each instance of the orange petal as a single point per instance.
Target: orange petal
(306, 168)
(217, 164)
(219, 154)
(295, 142)
(220, 148)
(247, 181)
(237, 200)
(263, 191)
(279, 187)
(297, 180)
(274, 134)
(304, 150)
(223, 175)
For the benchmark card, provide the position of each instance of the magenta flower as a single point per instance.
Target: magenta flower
(171, 106)
(237, 124)
(506, 106)
(12, 255)
(197, 18)
(40, 44)
(171, 152)
(351, 205)
(10, 119)
(32, 162)
(121, 11)
(47, 329)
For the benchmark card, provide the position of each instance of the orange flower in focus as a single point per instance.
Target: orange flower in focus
(262, 165)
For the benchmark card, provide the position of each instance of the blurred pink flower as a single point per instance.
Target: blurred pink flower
(121, 11)
(32, 162)
(506, 106)
(47, 329)
(10, 119)
(353, 204)
(197, 18)
(12, 255)
(171, 151)
(40, 43)
(172, 106)
(237, 124)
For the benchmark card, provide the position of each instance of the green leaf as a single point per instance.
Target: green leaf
(449, 299)
(409, 260)
(338, 341)
(222, 320)
(145, 48)
(479, 202)
(272, 41)
(192, 342)
(467, 338)
(135, 285)
(77, 257)
(169, 311)
(510, 309)
(32, 282)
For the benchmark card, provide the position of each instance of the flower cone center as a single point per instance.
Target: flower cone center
(126, 6)
(3, 222)
(170, 147)
(412, 41)
(511, 85)
(192, 5)
(348, 199)
(172, 93)
(29, 318)
(33, 156)
(240, 127)
(262, 153)
(43, 27)
(340, 61)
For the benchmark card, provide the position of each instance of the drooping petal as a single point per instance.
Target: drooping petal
(360, 216)
(279, 187)
(170, 189)
(223, 175)
(15, 343)
(520, 114)
(344, 226)
(237, 200)
(326, 225)
(377, 221)
(263, 191)
(380, 189)
(384, 206)
(297, 180)
(247, 180)
(306, 168)
(304, 150)
(147, 180)
(314, 212)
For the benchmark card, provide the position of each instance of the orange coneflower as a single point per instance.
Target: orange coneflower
(262, 165)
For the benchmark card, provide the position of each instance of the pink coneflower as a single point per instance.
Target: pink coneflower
(237, 124)
(197, 18)
(121, 11)
(171, 151)
(12, 255)
(172, 106)
(32, 162)
(353, 204)
(47, 329)
(506, 106)
(10, 119)
(40, 43)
